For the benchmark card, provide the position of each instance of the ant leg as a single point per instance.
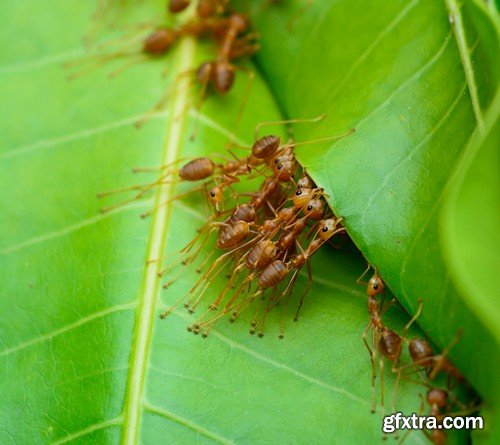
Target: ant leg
(372, 359)
(216, 303)
(442, 357)
(90, 63)
(308, 288)
(203, 93)
(381, 373)
(394, 391)
(417, 314)
(173, 198)
(135, 61)
(358, 281)
(385, 307)
(136, 197)
(246, 95)
(160, 105)
(200, 268)
(272, 302)
(162, 167)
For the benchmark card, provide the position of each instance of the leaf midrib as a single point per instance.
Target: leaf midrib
(455, 15)
(147, 298)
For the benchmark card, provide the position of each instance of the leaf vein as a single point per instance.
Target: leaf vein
(66, 230)
(465, 53)
(278, 364)
(88, 430)
(150, 284)
(187, 423)
(374, 44)
(69, 327)
(410, 153)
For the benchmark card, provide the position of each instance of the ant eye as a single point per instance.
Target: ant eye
(325, 229)
(309, 207)
(276, 160)
(212, 193)
(375, 286)
(298, 192)
(280, 167)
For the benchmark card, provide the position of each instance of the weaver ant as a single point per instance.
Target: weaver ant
(154, 45)
(385, 341)
(204, 8)
(270, 276)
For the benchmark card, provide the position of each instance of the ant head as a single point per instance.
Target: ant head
(305, 182)
(284, 170)
(177, 5)
(326, 228)
(223, 78)
(215, 195)
(205, 8)
(266, 146)
(437, 397)
(239, 22)
(301, 197)
(159, 42)
(313, 209)
(375, 286)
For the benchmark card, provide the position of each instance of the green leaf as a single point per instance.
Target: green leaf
(415, 79)
(475, 194)
(470, 223)
(85, 358)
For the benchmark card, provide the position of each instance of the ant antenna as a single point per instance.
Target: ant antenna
(288, 121)
(329, 138)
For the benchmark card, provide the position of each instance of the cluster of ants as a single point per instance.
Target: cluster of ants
(265, 242)
(387, 344)
(214, 20)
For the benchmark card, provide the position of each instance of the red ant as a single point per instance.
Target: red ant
(273, 274)
(204, 8)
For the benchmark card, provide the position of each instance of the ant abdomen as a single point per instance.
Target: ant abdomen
(205, 72)
(159, 41)
(420, 352)
(261, 254)
(244, 212)
(437, 397)
(177, 5)
(223, 78)
(265, 147)
(390, 344)
(199, 168)
(273, 274)
(232, 235)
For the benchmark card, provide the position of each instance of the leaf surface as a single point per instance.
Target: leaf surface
(415, 78)
(85, 358)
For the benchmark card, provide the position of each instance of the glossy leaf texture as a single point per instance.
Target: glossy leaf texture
(415, 78)
(84, 356)
(475, 193)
